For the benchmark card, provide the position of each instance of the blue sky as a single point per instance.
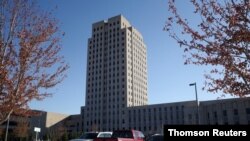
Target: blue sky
(168, 77)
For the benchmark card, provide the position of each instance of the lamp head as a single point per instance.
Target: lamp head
(192, 84)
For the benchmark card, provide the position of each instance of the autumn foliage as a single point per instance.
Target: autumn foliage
(221, 39)
(29, 56)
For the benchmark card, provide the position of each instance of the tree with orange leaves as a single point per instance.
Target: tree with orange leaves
(221, 39)
(29, 56)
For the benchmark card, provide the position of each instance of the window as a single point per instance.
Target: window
(235, 112)
(248, 111)
(215, 115)
(224, 113)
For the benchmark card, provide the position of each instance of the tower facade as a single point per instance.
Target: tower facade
(116, 74)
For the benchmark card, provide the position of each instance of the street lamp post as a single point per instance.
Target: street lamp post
(197, 102)
(7, 128)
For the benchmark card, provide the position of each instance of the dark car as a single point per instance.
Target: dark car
(156, 137)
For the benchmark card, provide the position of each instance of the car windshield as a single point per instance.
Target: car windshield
(104, 135)
(89, 136)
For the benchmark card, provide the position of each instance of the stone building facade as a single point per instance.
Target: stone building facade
(116, 73)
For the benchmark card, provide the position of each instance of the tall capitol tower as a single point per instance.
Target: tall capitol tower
(116, 74)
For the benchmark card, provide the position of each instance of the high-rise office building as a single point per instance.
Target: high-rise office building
(116, 74)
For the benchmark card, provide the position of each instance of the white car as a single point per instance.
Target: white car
(90, 136)
(104, 135)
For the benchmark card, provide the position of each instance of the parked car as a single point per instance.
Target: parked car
(90, 136)
(124, 135)
(156, 137)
